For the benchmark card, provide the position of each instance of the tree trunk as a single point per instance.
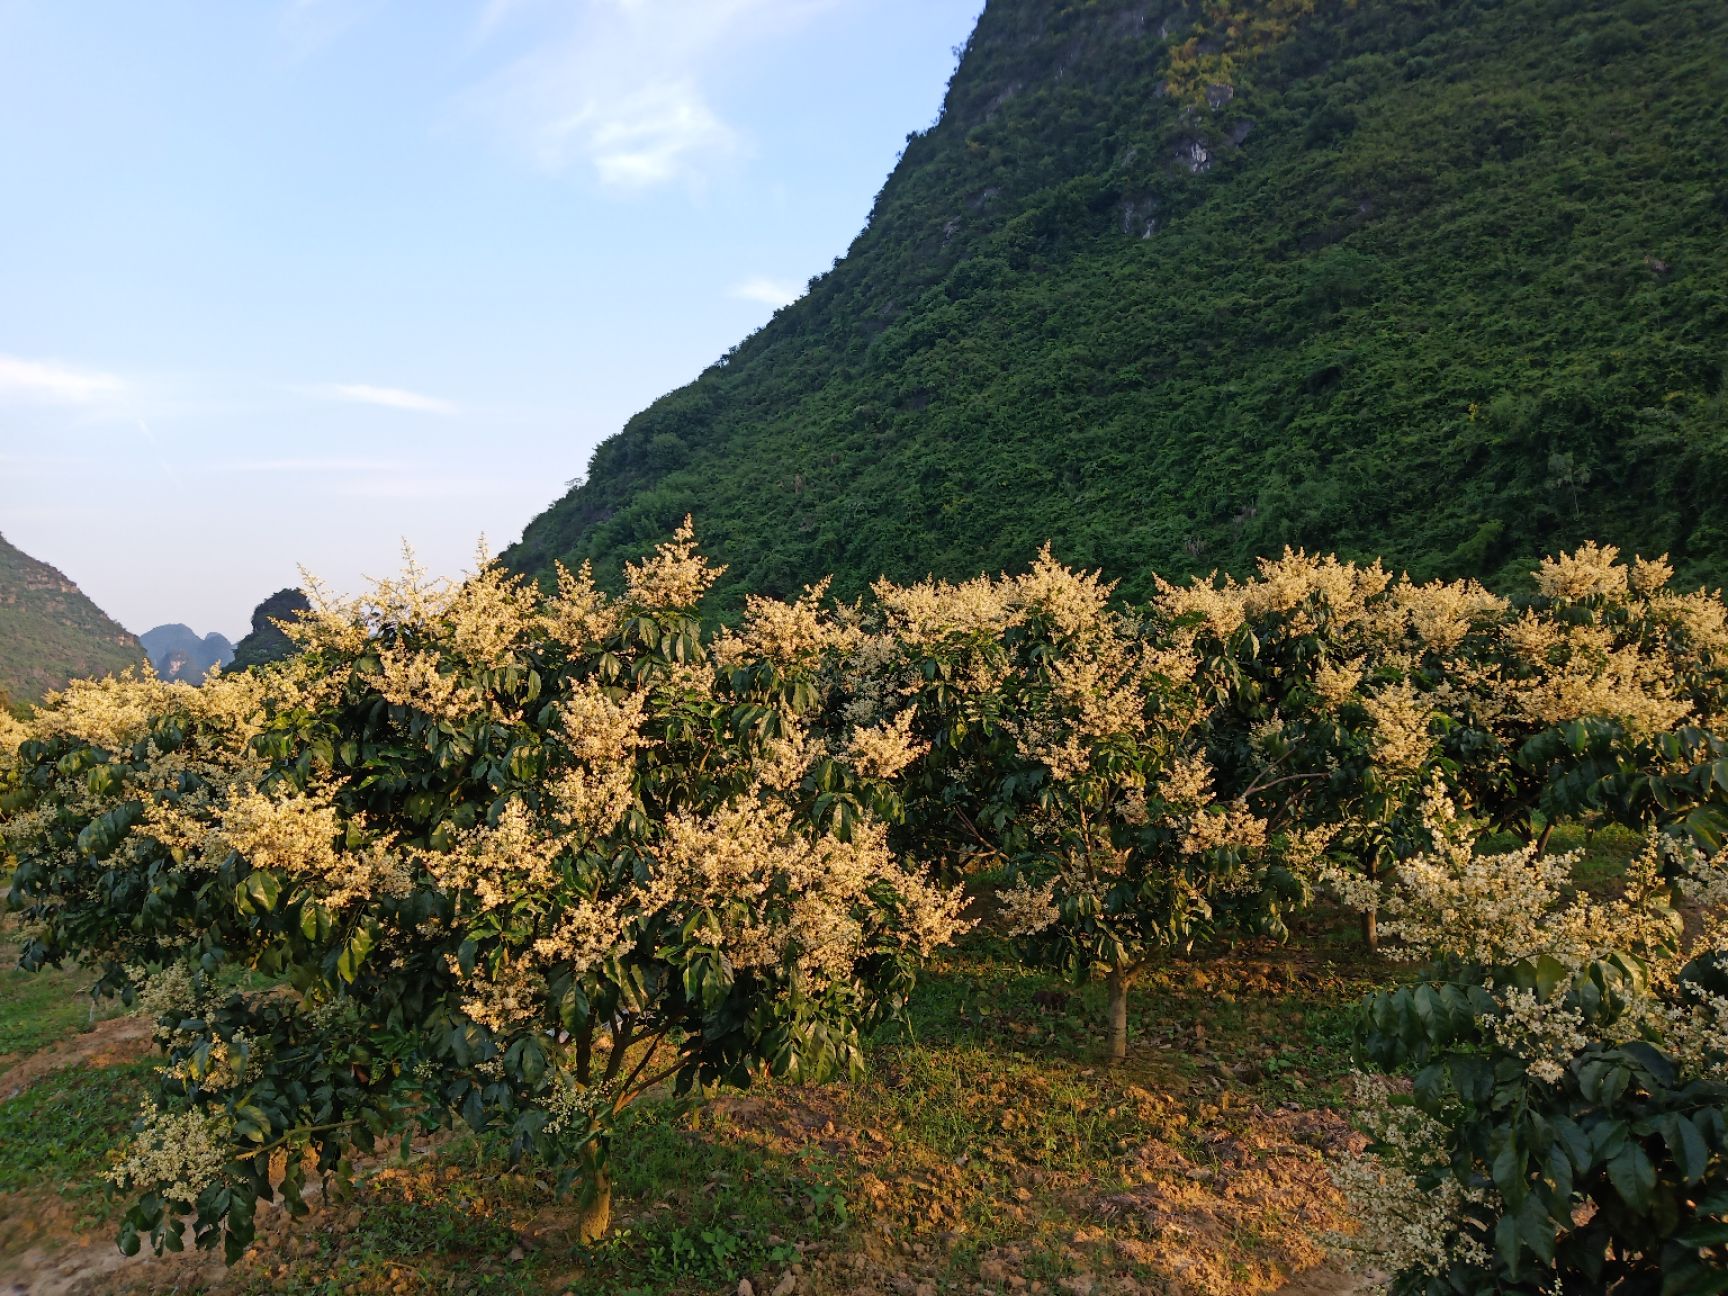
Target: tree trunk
(1371, 917)
(596, 1208)
(1118, 984)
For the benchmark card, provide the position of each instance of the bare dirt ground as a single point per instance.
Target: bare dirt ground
(119, 1039)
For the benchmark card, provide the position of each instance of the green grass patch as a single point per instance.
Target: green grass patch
(37, 1008)
(57, 1134)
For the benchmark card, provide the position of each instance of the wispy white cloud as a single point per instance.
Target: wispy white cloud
(625, 88)
(658, 134)
(309, 25)
(55, 383)
(389, 397)
(770, 292)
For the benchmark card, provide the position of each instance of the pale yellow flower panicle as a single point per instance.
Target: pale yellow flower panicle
(1076, 603)
(1026, 910)
(13, 733)
(178, 1154)
(786, 634)
(1649, 575)
(579, 615)
(1578, 671)
(675, 578)
(1442, 614)
(882, 751)
(1404, 1226)
(780, 896)
(1519, 904)
(1589, 571)
(1233, 825)
(932, 612)
(1219, 604)
(415, 678)
(1402, 741)
(1337, 684)
(299, 834)
(111, 713)
(494, 865)
(337, 625)
(1298, 582)
(491, 616)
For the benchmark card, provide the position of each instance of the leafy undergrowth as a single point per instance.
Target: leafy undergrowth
(989, 1149)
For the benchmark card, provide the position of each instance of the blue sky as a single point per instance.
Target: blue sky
(290, 282)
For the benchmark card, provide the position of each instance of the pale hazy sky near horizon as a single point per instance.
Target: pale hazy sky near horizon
(289, 282)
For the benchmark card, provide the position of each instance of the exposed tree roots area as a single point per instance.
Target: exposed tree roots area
(987, 1151)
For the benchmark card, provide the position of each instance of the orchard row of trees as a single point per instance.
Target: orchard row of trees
(514, 859)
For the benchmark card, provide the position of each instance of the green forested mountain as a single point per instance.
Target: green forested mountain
(50, 632)
(266, 643)
(1173, 285)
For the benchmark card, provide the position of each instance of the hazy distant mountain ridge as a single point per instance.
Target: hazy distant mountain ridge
(51, 633)
(179, 653)
(1174, 285)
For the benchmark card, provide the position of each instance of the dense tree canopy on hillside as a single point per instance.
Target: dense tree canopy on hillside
(1175, 286)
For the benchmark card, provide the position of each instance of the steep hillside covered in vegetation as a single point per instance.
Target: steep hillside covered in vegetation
(50, 632)
(1174, 285)
(266, 642)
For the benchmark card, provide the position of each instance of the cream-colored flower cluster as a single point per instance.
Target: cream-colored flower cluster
(933, 612)
(786, 634)
(1441, 614)
(506, 996)
(778, 896)
(302, 835)
(410, 677)
(1692, 1024)
(498, 865)
(1337, 684)
(1307, 587)
(1233, 825)
(491, 615)
(883, 750)
(111, 713)
(1077, 604)
(1026, 910)
(573, 1108)
(170, 992)
(1589, 571)
(1520, 904)
(1099, 690)
(674, 578)
(1570, 671)
(1546, 1033)
(579, 615)
(1403, 741)
(1405, 1225)
(177, 1154)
